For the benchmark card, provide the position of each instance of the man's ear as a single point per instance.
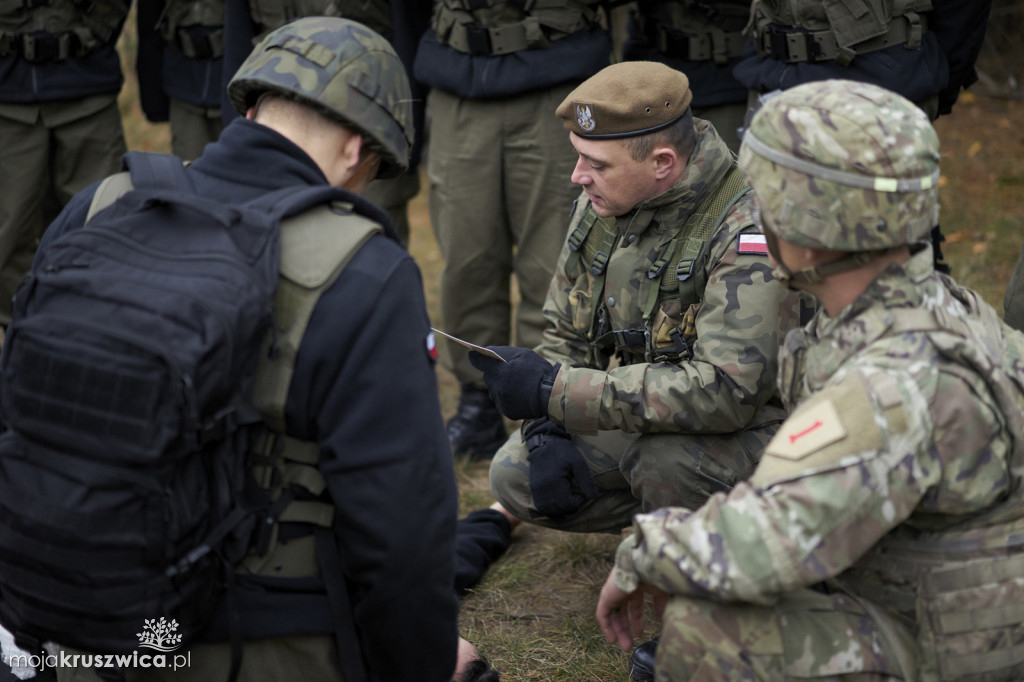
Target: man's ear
(666, 161)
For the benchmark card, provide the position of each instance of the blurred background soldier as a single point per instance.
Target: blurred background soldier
(401, 22)
(879, 537)
(704, 40)
(179, 60)
(60, 127)
(499, 168)
(924, 50)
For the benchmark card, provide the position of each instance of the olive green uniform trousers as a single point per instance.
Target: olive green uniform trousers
(500, 196)
(192, 128)
(48, 152)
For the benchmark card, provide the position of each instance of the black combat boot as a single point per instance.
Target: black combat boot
(641, 663)
(477, 429)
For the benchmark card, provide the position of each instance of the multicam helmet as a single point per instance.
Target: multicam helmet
(843, 165)
(343, 69)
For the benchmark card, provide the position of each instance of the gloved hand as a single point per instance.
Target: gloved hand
(560, 480)
(521, 385)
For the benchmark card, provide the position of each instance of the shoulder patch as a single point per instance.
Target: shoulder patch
(808, 431)
(752, 243)
(836, 423)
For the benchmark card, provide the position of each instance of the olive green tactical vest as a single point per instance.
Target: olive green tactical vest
(273, 14)
(678, 271)
(315, 247)
(495, 27)
(959, 581)
(55, 30)
(694, 31)
(816, 30)
(180, 15)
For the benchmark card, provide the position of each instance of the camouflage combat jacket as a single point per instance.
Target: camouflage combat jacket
(898, 475)
(728, 336)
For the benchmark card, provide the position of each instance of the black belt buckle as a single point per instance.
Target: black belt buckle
(479, 39)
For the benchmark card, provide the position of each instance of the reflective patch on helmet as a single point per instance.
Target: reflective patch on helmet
(752, 243)
(584, 117)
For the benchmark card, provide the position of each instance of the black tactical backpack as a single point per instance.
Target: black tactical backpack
(124, 495)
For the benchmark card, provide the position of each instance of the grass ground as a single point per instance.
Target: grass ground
(533, 613)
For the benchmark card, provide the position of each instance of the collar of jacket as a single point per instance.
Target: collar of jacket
(707, 165)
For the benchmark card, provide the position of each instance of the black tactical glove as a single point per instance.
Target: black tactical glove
(521, 385)
(560, 480)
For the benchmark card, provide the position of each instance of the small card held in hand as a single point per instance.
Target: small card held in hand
(472, 346)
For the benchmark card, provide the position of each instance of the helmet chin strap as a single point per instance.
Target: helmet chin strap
(814, 274)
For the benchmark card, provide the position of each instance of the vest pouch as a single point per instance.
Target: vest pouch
(854, 21)
(582, 304)
(971, 619)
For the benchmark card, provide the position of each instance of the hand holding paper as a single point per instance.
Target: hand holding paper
(519, 381)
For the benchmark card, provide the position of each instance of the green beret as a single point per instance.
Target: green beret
(626, 99)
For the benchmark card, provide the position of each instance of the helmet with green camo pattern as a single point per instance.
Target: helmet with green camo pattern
(341, 68)
(843, 165)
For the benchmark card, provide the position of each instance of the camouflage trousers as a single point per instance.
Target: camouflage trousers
(806, 635)
(306, 658)
(634, 473)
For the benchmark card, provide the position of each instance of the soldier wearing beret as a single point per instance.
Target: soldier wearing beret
(880, 536)
(654, 383)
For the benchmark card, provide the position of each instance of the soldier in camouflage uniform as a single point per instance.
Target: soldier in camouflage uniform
(881, 535)
(663, 272)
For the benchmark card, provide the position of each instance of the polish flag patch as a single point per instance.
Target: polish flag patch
(432, 347)
(752, 243)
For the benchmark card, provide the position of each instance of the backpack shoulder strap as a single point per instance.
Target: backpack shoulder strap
(140, 169)
(316, 245)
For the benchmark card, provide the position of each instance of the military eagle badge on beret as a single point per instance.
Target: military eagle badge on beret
(584, 118)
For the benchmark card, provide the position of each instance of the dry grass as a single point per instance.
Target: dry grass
(532, 615)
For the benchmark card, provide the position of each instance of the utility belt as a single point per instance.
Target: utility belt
(720, 46)
(39, 47)
(197, 42)
(794, 44)
(546, 22)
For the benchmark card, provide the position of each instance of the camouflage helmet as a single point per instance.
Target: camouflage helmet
(344, 70)
(843, 165)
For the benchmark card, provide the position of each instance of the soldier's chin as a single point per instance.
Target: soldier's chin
(599, 206)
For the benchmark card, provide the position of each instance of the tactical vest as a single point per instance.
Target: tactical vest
(315, 247)
(55, 30)
(273, 14)
(963, 582)
(678, 271)
(814, 31)
(194, 27)
(694, 31)
(496, 27)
